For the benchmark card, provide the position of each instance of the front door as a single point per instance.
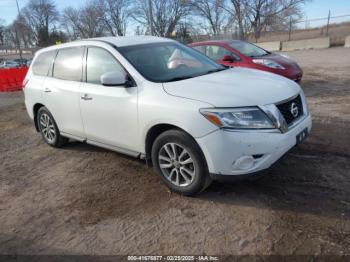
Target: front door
(109, 112)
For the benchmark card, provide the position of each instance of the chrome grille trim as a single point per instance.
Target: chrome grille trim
(286, 112)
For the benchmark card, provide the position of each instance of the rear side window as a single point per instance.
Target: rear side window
(43, 62)
(68, 64)
(100, 61)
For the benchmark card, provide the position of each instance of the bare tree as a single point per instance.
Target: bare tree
(91, 18)
(264, 12)
(256, 15)
(70, 21)
(212, 11)
(2, 31)
(183, 32)
(116, 15)
(238, 10)
(139, 31)
(24, 32)
(85, 22)
(9, 36)
(40, 16)
(166, 14)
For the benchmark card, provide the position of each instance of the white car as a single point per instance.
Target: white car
(156, 99)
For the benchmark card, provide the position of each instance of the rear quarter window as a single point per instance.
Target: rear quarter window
(43, 62)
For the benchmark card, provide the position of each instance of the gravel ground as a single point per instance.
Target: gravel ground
(85, 200)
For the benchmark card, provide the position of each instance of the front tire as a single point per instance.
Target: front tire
(48, 128)
(180, 163)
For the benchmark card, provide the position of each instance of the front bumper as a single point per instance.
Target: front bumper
(295, 75)
(223, 149)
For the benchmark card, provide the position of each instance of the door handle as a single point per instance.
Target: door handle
(47, 90)
(86, 97)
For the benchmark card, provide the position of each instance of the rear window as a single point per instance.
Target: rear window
(43, 62)
(68, 64)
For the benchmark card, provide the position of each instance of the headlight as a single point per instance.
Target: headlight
(238, 118)
(268, 63)
(303, 99)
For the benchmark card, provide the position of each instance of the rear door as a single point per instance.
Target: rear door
(62, 90)
(35, 78)
(109, 112)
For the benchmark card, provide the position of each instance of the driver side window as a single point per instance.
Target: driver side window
(99, 62)
(217, 53)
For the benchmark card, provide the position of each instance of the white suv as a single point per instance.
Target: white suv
(156, 99)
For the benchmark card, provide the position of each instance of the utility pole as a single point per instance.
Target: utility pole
(329, 17)
(290, 28)
(150, 17)
(17, 6)
(305, 22)
(16, 32)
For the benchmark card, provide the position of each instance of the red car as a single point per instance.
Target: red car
(244, 54)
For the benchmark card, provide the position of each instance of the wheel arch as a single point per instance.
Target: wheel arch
(36, 108)
(155, 131)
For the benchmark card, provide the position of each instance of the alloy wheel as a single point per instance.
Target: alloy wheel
(176, 164)
(47, 128)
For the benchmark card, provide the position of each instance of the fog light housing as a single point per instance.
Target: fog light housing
(244, 163)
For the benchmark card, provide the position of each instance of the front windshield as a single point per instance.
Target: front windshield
(248, 49)
(168, 61)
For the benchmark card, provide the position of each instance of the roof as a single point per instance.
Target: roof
(227, 41)
(131, 40)
(114, 40)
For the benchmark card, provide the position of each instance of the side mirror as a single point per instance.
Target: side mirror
(228, 58)
(114, 78)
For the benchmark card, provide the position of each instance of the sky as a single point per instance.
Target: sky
(8, 8)
(313, 9)
(320, 8)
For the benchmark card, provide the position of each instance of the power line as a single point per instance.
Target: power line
(323, 18)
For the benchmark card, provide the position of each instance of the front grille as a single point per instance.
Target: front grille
(291, 110)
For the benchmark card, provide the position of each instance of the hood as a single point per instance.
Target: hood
(234, 88)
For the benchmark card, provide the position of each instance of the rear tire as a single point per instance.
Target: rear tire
(48, 128)
(180, 163)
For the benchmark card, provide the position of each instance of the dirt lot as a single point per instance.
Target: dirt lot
(84, 200)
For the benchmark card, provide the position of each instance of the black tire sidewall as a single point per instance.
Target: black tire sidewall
(201, 176)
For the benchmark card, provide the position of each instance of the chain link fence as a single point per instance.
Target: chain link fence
(336, 27)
